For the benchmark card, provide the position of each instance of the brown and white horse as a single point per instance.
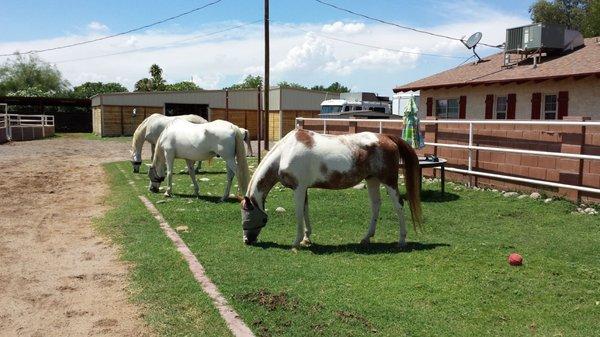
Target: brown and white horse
(305, 159)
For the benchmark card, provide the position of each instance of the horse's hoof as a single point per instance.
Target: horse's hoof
(305, 243)
(168, 195)
(365, 242)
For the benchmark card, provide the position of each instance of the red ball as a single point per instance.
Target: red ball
(515, 259)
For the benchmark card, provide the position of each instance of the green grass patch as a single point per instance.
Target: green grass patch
(91, 136)
(161, 283)
(453, 280)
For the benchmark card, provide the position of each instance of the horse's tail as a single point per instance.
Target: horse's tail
(243, 173)
(247, 140)
(411, 178)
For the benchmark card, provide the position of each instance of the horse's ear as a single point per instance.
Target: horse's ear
(247, 204)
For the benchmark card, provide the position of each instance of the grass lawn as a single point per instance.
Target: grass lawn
(91, 136)
(454, 280)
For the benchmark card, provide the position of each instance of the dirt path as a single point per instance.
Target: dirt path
(57, 276)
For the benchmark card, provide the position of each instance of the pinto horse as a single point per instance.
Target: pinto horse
(305, 159)
(151, 128)
(195, 142)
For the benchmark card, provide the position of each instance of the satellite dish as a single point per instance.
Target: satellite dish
(472, 42)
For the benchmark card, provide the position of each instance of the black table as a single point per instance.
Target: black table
(441, 163)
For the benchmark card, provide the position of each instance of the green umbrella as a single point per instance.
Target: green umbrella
(411, 133)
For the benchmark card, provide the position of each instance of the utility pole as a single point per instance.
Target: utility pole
(266, 79)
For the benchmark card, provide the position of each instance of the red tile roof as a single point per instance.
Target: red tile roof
(581, 62)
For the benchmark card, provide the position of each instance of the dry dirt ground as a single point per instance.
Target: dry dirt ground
(58, 277)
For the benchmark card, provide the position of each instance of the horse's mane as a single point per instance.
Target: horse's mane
(139, 136)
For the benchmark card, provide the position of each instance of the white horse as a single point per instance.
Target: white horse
(151, 128)
(305, 159)
(194, 142)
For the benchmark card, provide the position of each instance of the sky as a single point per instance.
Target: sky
(196, 47)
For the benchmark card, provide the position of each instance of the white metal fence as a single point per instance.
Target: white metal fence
(15, 120)
(470, 147)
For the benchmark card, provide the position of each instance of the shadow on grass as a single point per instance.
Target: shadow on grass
(436, 196)
(182, 172)
(210, 198)
(370, 249)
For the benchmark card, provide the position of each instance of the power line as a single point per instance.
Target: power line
(376, 47)
(395, 24)
(160, 46)
(118, 34)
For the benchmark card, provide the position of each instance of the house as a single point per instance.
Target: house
(549, 87)
(117, 114)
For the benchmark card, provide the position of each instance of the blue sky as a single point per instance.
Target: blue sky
(224, 59)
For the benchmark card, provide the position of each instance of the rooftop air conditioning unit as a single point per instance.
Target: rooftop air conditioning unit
(535, 37)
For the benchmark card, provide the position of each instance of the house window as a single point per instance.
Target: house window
(501, 107)
(549, 106)
(446, 108)
(347, 108)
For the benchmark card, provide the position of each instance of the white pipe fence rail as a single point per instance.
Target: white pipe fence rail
(15, 120)
(470, 147)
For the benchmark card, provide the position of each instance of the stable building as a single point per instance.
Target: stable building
(541, 85)
(119, 114)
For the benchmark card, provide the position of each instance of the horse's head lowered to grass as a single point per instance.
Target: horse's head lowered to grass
(136, 161)
(155, 180)
(253, 220)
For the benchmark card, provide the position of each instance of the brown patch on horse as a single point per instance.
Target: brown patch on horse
(268, 180)
(362, 168)
(305, 137)
(323, 169)
(288, 180)
(390, 160)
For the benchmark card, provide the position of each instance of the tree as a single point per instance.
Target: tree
(285, 84)
(145, 84)
(30, 76)
(248, 83)
(89, 89)
(158, 82)
(182, 86)
(333, 87)
(155, 83)
(581, 15)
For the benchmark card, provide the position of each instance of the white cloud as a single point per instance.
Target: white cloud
(314, 54)
(340, 27)
(210, 80)
(97, 26)
(296, 56)
(382, 58)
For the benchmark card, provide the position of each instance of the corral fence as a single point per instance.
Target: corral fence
(26, 127)
(562, 157)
